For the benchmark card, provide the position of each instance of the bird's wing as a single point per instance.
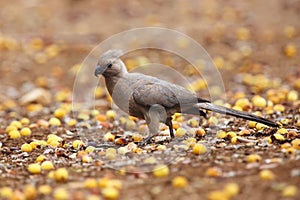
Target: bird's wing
(154, 93)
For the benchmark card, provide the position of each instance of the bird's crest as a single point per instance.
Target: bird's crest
(111, 54)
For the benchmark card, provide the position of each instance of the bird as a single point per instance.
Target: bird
(155, 100)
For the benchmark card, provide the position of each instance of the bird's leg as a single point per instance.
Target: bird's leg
(170, 125)
(153, 125)
(147, 140)
(153, 117)
(202, 114)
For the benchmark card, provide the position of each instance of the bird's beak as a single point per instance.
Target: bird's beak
(99, 70)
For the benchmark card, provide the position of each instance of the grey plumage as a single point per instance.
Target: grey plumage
(153, 99)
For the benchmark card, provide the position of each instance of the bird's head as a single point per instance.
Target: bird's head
(110, 64)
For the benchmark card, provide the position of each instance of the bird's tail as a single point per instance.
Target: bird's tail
(236, 113)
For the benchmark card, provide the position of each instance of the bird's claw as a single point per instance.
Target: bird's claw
(146, 140)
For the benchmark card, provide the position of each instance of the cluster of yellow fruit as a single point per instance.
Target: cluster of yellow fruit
(16, 129)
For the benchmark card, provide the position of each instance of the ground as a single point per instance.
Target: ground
(94, 152)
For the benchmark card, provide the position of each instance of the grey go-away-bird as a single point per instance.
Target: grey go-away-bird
(153, 99)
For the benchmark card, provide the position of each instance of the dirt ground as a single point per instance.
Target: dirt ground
(255, 47)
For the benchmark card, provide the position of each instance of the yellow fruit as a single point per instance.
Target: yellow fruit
(61, 174)
(266, 174)
(199, 149)
(278, 136)
(47, 165)
(290, 151)
(219, 62)
(111, 153)
(52, 50)
(54, 121)
(61, 194)
(103, 182)
(296, 144)
(213, 172)
(25, 131)
(193, 123)
(111, 114)
(6, 192)
(260, 126)
(109, 137)
(14, 134)
(290, 191)
(161, 171)
(44, 189)
(234, 140)
(179, 182)
(282, 131)
(34, 168)
(259, 101)
(72, 122)
(137, 137)
(286, 145)
(86, 159)
(26, 147)
(54, 143)
(279, 107)
(40, 158)
(25, 121)
(180, 132)
(292, 95)
(59, 113)
(77, 144)
(252, 124)
(16, 124)
(200, 132)
(83, 116)
(230, 134)
(243, 33)
(290, 50)
(231, 189)
(218, 195)
(90, 183)
(254, 158)
(90, 149)
(221, 134)
(10, 128)
(213, 121)
(110, 193)
(30, 192)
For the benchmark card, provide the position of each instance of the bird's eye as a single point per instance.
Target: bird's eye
(109, 65)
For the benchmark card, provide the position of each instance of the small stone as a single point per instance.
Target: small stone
(38, 95)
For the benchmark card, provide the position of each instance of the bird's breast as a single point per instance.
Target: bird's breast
(121, 91)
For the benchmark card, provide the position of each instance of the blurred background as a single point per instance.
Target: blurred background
(45, 41)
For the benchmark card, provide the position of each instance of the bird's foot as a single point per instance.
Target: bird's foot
(146, 140)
